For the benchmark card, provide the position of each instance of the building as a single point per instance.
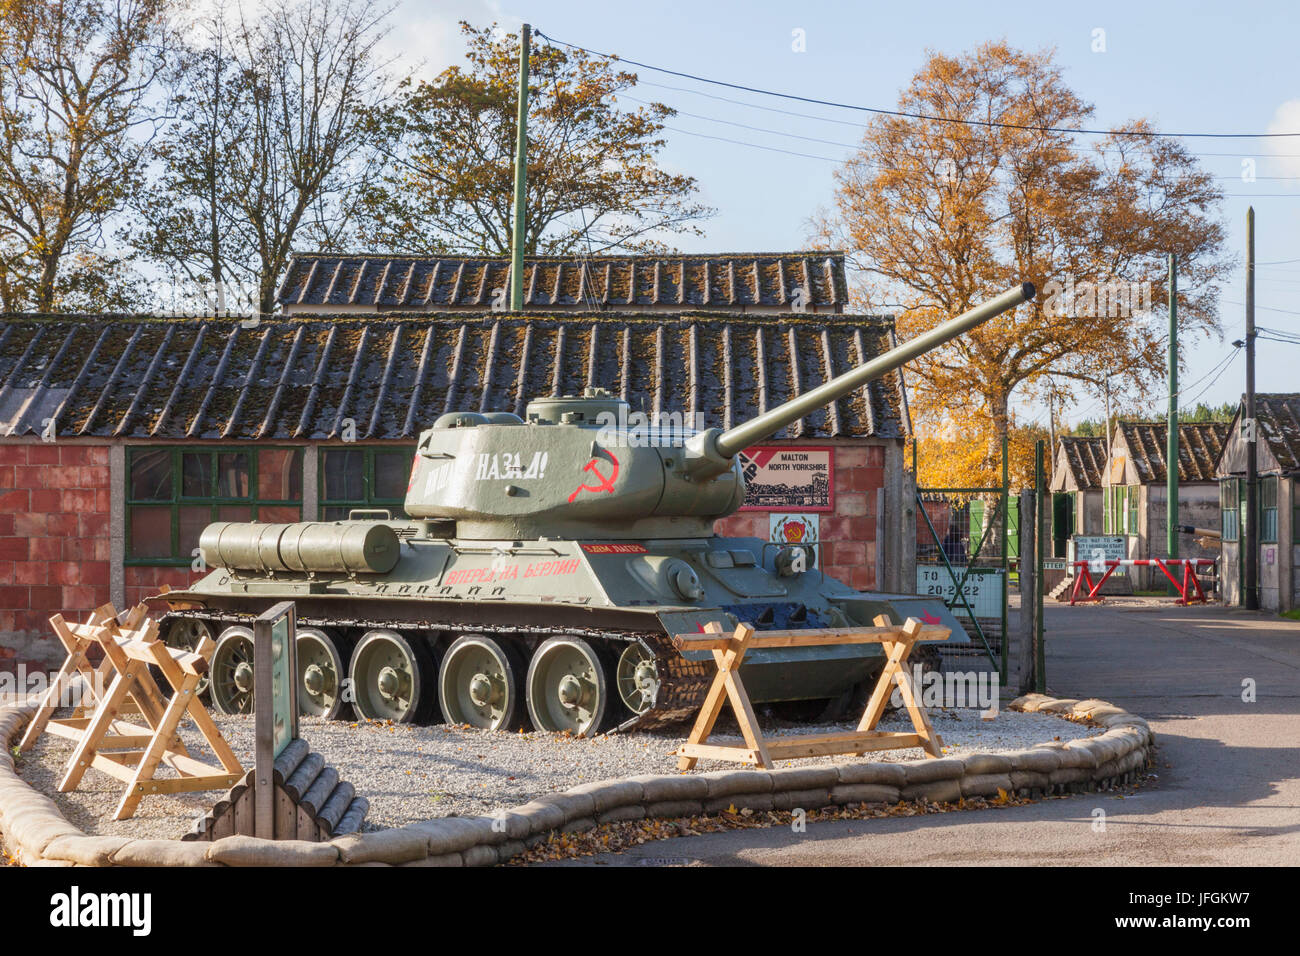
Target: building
(121, 437)
(1076, 488)
(1277, 463)
(1134, 490)
(765, 283)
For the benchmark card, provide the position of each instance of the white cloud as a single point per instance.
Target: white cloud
(1285, 120)
(425, 35)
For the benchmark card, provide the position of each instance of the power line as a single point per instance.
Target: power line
(989, 124)
(1217, 368)
(1231, 358)
(863, 127)
(867, 165)
(1264, 307)
(827, 142)
(770, 149)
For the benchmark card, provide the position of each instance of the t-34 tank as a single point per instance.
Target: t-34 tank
(544, 567)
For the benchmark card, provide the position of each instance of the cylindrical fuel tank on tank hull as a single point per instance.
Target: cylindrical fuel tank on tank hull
(306, 546)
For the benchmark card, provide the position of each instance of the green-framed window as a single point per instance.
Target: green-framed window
(1228, 500)
(1268, 510)
(1119, 512)
(364, 476)
(173, 492)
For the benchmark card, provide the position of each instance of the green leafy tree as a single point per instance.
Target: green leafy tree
(593, 177)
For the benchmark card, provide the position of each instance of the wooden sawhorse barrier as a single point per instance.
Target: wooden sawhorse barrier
(130, 752)
(729, 652)
(104, 625)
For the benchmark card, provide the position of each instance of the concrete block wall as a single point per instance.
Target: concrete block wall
(55, 552)
(850, 533)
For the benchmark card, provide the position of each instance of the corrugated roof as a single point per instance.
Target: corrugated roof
(1278, 416)
(1199, 445)
(304, 376)
(1086, 458)
(726, 281)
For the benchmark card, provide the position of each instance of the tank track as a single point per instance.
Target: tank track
(682, 683)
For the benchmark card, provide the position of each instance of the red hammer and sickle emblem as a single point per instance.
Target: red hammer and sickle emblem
(606, 483)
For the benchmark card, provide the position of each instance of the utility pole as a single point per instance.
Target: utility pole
(1171, 451)
(1107, 387)
(521, 177)
(1108, 490)
(1043, 541)
(1251, 542)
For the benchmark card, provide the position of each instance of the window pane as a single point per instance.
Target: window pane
(335, 512)
(151, 474)
(232, 475)
(279, 474)
(235, 513)
(344, 470)
(151, 531)
(279, 514)
(392, 473)
(192, 520)
(196, 474)
(1268, 492)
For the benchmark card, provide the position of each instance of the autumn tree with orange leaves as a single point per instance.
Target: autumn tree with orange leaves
(981, 184)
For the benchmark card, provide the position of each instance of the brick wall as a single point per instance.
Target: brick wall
(848, 534)
(144, 582)
(54, 543)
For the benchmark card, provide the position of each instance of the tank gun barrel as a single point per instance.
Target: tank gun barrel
(726, 445)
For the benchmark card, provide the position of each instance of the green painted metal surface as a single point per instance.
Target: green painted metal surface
(567, 522)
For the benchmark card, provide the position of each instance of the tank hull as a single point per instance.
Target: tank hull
(608, 593)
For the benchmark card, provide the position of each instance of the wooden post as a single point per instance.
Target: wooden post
(729, 653)
(131, 753)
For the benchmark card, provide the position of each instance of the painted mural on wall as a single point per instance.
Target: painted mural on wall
(785, 478)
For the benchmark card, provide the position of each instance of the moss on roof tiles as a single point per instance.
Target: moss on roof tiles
(258, 372)
(690, 281)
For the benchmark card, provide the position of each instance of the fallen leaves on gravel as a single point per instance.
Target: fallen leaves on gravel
(615, 837)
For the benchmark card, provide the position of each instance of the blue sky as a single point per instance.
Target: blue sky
(1186, 67)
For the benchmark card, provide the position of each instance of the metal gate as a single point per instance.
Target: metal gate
(963, 556)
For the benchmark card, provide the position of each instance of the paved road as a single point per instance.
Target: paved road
(1229, 771)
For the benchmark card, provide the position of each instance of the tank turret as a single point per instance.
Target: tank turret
(583, 466)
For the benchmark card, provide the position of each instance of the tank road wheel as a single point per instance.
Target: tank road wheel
(566, 687)
(637, 677)
(390, 677)
(478, 684)
(232, 672)
(320, 674)
(185, 633)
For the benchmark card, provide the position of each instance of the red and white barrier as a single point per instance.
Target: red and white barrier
(1189, 589)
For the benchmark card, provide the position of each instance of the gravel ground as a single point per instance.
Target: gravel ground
(414, 773)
